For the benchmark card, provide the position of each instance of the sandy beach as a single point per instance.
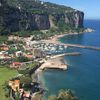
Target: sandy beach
(54, 39)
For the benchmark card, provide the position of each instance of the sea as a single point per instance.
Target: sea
(83, 74)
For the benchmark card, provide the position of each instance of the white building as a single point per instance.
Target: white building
(19, 53)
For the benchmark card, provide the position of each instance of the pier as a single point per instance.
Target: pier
(83, 46)
(73, 45)
(80, 46)
(65, 54)
(56, 62)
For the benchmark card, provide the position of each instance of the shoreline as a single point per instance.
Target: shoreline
(55, 39)
(53, 63)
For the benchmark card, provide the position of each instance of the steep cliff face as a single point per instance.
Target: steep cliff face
(75, 18)
(28, 21)
(16, 19)
(41, 21)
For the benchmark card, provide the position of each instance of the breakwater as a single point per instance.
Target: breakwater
(83, 46)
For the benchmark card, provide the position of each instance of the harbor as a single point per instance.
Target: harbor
(55, 40)
(56, 62)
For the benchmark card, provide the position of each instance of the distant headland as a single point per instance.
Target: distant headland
(17, 16)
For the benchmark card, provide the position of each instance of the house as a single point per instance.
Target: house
(15, 65)
(7, 57)
(14, 38)
(19, 53)
(4, 55)
(26, 94)
(4, 52)
(14, 84)
(4, 47)
(29, 56)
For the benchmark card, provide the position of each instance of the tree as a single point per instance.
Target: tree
(25, 80)
(22, 59)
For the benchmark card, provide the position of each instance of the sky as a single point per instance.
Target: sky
(91, 8)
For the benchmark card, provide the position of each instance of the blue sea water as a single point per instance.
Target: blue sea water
(83, 74)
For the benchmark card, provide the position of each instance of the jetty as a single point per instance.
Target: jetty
(83, 46)
(56, 62)
(56, 42)
(65, 54)
(80, 46)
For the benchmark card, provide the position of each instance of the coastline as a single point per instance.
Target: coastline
(54, 63)
(55, 40)
(39, 73)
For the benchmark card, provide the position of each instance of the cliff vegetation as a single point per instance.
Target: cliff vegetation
(26, 16)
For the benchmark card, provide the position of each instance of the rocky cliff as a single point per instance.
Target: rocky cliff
(16, 18)
(75, 18)
(13, 19)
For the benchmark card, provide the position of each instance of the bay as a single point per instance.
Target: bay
(83, 74)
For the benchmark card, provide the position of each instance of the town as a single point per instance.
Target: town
(28, 57)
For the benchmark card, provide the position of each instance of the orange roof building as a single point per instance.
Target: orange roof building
(29, 56)
(14, 85)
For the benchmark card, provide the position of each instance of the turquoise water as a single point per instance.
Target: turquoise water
(83, 74)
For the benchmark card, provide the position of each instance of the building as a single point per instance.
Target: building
(15, 65)
(38, 53)
(15, 85)
(4, 55)
(4, 47)
(14, 38)
(4, 52)
(29, 56)
(19, 54)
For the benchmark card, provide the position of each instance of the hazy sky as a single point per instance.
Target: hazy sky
(91, 8)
